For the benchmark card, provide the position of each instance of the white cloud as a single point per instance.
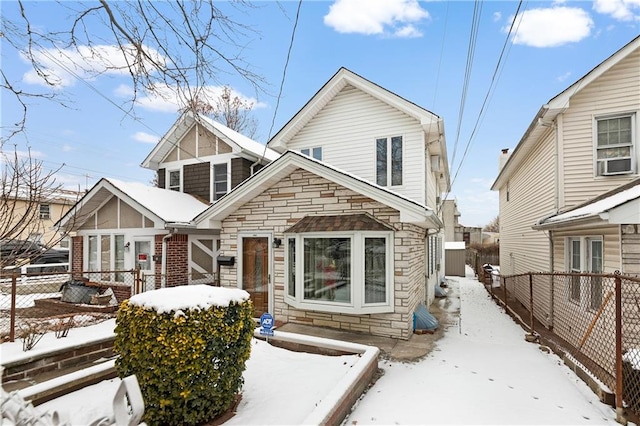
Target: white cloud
(564, 76)
(497, 16)
(621, 10)
(62, 67)
(167, 99)
(145, 137)
(551, 27)
(67, 148)
(391, 17)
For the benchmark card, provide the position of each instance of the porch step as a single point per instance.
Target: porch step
(67, 383)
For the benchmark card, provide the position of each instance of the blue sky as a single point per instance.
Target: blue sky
(418, 50)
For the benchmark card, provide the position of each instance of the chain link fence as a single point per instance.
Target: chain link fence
(593, 319)
(34, 303)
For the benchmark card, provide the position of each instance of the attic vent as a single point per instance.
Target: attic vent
(437, 200)
(435, 163)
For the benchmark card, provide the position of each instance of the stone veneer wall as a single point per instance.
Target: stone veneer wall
(301, 194)
(630, 249)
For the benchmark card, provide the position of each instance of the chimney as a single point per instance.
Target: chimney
(502, 160)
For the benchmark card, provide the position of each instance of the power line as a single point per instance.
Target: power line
(494, 81)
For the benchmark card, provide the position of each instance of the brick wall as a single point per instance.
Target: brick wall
(77, 249)
(177, 266)
(301, 194)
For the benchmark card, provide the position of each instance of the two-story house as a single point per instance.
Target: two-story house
(122, 225)
(569, 192)
(334, 223)
(343, 229)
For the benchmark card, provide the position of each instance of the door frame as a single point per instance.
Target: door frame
(258, 234)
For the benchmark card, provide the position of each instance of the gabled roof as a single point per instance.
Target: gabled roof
(163, 206)
(557, 105)
(410, 211)
(186, 121)
(340, 79)
(619, 206)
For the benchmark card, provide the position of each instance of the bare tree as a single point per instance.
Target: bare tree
(230, 110)
(493, 226)
(167, 49)
(25, 187)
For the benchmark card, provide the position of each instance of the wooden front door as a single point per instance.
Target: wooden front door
(255, 272)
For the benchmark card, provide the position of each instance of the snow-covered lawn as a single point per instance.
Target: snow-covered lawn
(481, 372)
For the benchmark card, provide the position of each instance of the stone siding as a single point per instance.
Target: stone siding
(301, 194)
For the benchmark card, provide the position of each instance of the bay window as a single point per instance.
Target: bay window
(347, 271)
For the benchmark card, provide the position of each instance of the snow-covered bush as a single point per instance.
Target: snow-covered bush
(188, 347)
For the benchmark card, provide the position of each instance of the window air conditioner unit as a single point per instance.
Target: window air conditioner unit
(435, 163)
(614, 166)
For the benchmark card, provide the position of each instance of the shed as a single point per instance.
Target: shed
(454, 255)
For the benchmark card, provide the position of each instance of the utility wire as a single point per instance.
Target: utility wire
(284, 74)
(473, 36)
(489, 92)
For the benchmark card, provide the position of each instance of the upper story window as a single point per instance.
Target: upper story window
(313, 152)
(219, 180)
(389, 161)
(45, 211)
(174, 180)
(615, 145)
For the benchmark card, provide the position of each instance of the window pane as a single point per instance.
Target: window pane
(93, 253)
(105, 255)
(220, 180)
(317, 153)
(304, 151)
(614, 131)
(575, 256)
(381, 162)
(396, 160)
(327, 269)
(375, 270)
(174, 180)
(291, 257)
(119, 257)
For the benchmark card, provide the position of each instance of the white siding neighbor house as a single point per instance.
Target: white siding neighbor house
(569, 192)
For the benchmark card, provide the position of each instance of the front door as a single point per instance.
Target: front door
(255, 272)
(143, 260)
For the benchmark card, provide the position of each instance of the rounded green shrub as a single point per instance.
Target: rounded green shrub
(188, 347)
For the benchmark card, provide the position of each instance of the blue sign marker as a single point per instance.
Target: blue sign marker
(266, 324)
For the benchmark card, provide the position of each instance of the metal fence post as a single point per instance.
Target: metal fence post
(14, 290)
(506, 300)
(531, 302)
(619, 408)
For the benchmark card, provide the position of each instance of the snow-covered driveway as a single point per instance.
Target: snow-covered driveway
(481, 372)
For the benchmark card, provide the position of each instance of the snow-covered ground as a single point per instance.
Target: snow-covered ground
(481, 372)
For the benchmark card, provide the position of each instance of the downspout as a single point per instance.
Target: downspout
(552, 292)
(164, 259)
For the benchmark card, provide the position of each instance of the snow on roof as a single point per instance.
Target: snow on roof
(188, 297)
(170, 206)
(243, 141)
(597, 207)
(454, 245)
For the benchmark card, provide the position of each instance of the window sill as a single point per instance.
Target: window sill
(338, 308)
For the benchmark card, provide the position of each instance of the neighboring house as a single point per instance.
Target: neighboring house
(51, 205)
(334, 223)
(342, 230)
(569, 192)
(121, 226)
(450, 217)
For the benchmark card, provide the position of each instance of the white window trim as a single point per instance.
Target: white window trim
(310, 153)
(168, 178)
(357, 305)
(634, 142)
(585, 261)
(389, 138)
(212, 188)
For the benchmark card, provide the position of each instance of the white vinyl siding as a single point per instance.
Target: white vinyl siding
(611, 247)
(615, 93)
(347, 129)
(523, 249)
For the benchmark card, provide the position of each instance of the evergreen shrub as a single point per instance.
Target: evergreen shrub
(188, 362)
